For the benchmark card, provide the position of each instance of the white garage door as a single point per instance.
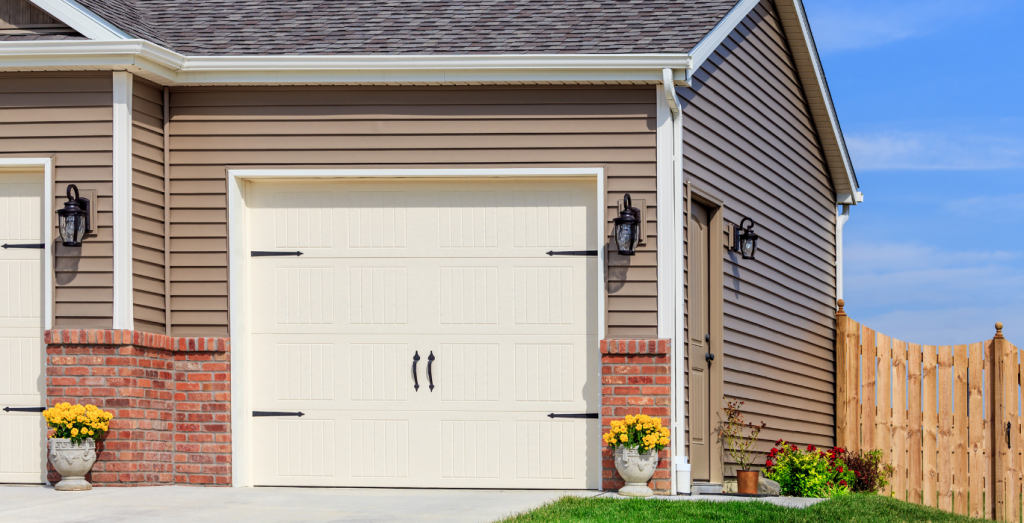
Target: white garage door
(21, 349)
(454, 273)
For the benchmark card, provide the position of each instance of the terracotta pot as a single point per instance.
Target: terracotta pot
(73, 461)
(747, 481)
(636, 469)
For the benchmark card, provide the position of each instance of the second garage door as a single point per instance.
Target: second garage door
(425, 334)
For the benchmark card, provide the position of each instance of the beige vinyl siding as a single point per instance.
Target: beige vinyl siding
(213, 129)
(749, 138)
(148, 207)
(69, 116)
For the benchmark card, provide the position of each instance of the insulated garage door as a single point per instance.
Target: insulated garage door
(22, 431)
(424, 333)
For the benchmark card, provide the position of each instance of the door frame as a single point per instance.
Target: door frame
(43, 166)
(238, 270)
(715, 205)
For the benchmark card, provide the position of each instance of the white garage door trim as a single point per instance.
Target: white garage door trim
(43, 166)
(238, 267)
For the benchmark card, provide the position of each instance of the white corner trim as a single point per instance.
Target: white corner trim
(122, 206)
(840, 223)
(81, 19)
(665, 219)
(238, 270)
(46, 166)
(725, 26)
(819, 74)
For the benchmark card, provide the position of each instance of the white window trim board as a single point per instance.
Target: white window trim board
(42, 166)
(122, 206)
(238, 269)
(81, 19)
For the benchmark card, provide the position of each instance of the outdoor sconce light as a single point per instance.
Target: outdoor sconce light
(627, 228)
(744, 240)
(74, 219)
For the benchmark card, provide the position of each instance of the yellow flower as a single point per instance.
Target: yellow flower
(623, 438)
(74, 432)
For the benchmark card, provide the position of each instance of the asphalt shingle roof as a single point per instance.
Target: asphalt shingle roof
(248, 27)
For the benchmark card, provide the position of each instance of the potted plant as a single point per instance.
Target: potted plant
(73, 441)
(636, 442)
(740, 447)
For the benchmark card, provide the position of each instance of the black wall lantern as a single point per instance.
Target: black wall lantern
(744, 240)
(74, 219)
(627, 228)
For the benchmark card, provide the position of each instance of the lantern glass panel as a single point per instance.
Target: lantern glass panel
(624, 236)
(747, 246)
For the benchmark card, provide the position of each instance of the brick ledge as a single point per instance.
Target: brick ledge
(136, 338)
(630, 346)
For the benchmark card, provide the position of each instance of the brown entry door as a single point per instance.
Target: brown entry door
(699, 333)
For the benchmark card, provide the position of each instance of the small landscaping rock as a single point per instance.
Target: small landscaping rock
(768, 487)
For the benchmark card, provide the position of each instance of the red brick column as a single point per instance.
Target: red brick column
(636, 379)
(171, 398)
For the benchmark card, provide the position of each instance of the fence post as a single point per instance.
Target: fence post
(843, 414)
(1001, 458)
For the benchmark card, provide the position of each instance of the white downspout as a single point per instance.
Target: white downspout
(840, 222)
(680, 464)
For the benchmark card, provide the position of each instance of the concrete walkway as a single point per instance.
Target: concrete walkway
(266, 505)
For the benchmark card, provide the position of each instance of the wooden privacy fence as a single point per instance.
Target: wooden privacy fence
(948, 418)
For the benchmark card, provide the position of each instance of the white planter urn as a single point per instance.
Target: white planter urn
(73, 461)
(637, 469)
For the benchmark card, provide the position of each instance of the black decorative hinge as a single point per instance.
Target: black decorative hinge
(24, 246)
(263, 413)
(572, 253)
(275, 253)
(24, 409)
(589, 415)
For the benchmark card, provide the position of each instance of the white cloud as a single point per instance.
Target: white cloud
(900, 150)
(841, 25)
(924, 295)
(987, 205)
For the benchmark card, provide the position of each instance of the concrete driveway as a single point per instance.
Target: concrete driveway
(250, 505)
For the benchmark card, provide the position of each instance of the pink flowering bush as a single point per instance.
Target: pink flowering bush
(810, 473)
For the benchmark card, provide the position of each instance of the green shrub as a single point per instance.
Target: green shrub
(871, 475)
(810, 473)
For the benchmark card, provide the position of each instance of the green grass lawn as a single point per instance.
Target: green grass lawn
(854, 508)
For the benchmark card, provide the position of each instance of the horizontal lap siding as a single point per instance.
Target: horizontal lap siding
(750, 139)
(148, 207)
(69, 116)
(331, 127)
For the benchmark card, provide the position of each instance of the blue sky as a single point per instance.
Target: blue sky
(930, 95)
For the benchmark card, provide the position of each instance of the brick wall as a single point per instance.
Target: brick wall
(636, 379)
(171, 398)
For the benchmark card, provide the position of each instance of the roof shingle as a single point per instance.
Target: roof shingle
(249, 27)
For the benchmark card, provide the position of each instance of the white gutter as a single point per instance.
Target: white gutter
(680, 464)
(840, 222)
(169, 67)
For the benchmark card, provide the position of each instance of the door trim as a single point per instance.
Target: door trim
(716, 311)
(238, 269)
(42, 166)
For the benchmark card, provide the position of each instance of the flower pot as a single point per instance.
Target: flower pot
(746, 481)
(73, 461)
(637, 469)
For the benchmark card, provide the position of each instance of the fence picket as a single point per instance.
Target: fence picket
(869, 406)
(1000, 444)
(883, 421)
(960, 429)
(1013, 483)
(988, 430)
(929, 428)
(945, 443)
(976, 463)
(857, 394)
(898, 437)
(914, 469)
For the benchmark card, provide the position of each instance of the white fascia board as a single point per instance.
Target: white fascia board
(725, 26)
(81, 19)
(819, 74)
(176, 68)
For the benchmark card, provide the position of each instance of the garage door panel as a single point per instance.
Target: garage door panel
(424, 219)
(22, 435)
(455, 272)
(495, 296)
